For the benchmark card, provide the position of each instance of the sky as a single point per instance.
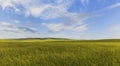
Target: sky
(76, 19)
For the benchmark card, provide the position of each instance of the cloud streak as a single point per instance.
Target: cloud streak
(7, 27)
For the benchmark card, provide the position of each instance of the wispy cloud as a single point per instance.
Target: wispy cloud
(5, 26)
(52, 10)
(110, 7)
(81, 28)
(113, 6)
(36, 8)
(71, 22)
(62, 27)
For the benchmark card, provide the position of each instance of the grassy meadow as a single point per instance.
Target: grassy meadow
(59, 53)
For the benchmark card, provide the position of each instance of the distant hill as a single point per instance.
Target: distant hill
(101, 40)
(35, 39)
(44, 39)
(59, 39)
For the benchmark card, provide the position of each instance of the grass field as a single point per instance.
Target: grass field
(59, 53)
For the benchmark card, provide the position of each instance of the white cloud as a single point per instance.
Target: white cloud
(70, 22)
(5, 26)
(13, 35)
(48, 11)
(113, 6)
(109, 7)
(8, 3)
(36, 8)
(81, 28)
(54, 27)
(40, 9)
(61, 27)
(37, 11)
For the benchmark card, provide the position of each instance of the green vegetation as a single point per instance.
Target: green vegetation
(59, 53)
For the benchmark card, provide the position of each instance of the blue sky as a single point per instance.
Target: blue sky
(78, 19)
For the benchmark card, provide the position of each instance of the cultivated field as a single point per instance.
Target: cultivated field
(59, 53)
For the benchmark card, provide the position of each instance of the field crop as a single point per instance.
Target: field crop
(59, 53)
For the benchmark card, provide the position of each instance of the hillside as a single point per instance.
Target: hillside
(58, 39)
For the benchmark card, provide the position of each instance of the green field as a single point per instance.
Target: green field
(59, 53)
